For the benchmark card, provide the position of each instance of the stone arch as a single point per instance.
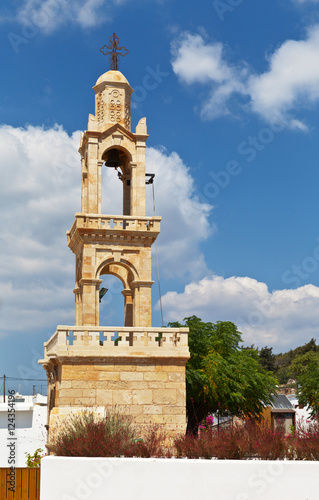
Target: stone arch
(125, 155)
(122, 269)
(127, 274)
(124, 172)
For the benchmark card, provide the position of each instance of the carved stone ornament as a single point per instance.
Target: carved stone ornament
(100, 108)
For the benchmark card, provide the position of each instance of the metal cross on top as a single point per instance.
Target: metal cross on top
(114, 51)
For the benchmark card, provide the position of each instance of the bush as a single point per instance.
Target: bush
(306, 441)
(153, 444)
(85, 435)
(116, 436)
(238, 442)
(35, 459)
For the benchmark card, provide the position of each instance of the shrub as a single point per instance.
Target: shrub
(84, 435)
(153, 444)
(237, 442)
(35, 459)
(87, 436)
(306, 440)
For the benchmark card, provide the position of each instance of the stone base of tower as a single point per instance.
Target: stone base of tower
(141, 373)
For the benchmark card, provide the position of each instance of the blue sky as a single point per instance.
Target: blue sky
(232, 113)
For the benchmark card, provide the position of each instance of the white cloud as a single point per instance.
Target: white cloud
(40, 192)
(195, 61)
(185, 219)
(48, 15)
(291, 81)
(280, 318)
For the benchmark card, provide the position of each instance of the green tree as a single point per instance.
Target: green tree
(283, 376)
(221, 375)
(267, 358)
(305, 368)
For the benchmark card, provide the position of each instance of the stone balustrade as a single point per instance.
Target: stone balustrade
(115, 223)
(117, 341)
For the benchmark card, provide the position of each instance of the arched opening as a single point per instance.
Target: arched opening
(112, 273)
(112, 302)
(118, 160)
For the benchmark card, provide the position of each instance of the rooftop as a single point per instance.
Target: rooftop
(281, 402)
(112, 76)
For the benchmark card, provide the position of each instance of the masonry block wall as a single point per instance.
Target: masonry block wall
(151, 392)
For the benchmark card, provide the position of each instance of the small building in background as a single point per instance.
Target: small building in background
(281, 414)
(29, 428)
(303, 414)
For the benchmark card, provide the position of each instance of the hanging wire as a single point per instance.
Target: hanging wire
(27, 379)
(158, 275)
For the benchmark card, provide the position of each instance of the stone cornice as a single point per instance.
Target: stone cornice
(145, 284)
(111, 228)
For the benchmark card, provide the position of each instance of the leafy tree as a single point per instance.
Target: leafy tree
(305, 368)
(221, 375)
(283, 361)
(267, 358)
(283, 376)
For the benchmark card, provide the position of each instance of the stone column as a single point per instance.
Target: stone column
(93, 175)
(126, 179)
(133, 199)
(142, 303)
(128, 307)
(90, 301)
(99, 186)
(84, 188)
(78, 306)
(140, 178)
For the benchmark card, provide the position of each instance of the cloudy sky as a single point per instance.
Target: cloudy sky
(230, 90)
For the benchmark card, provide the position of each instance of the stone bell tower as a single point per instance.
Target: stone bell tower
(137, 367)
(104, 244)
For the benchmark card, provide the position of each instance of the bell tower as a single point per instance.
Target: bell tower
(113, 244)
(138, 368)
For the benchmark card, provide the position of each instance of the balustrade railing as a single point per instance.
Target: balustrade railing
(73, 339)
(116, 223)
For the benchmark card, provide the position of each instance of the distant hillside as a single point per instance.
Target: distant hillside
(282, 362)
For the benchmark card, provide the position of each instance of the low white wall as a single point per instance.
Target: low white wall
(78, 478)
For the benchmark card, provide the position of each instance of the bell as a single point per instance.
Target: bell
(113, 159)
(102, 292)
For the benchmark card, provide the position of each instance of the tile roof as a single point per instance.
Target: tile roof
(281, 402)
